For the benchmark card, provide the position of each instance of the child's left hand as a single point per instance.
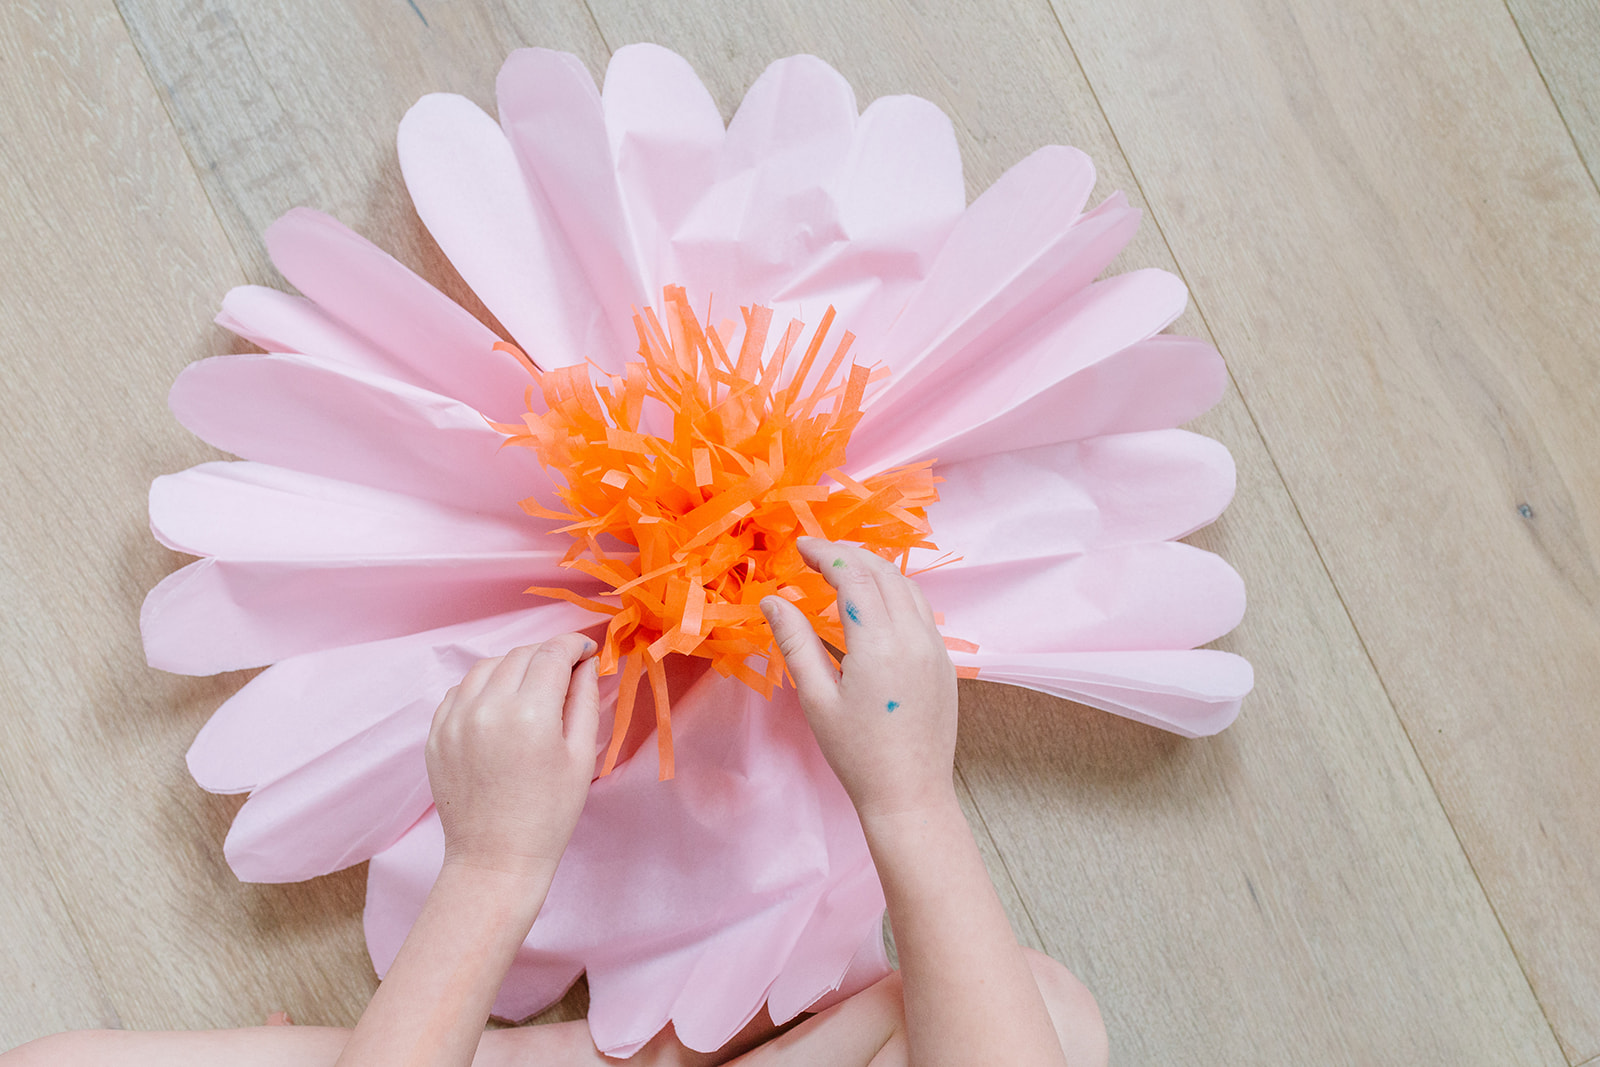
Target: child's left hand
(511, 754)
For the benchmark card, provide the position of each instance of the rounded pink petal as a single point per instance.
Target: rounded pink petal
(550, 111)
(1194, 693)
(1010, 258)
(684, 900)
(1157, 383)
(1082, 495)
(968, 379)
(897, 195)
(666, 138)
(1165, 595)
(309, 563)
(221, 615)
(244, 511)
(427, 339)
(309, 415)
(282, 322)
(331, 743)
(501, 235)
(768, 211)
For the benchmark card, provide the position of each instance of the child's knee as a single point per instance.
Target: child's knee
(1073, 1010)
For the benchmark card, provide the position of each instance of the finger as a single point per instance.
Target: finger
(581, 714)
(508, 675)
(549, 671)
(477, 676)
(802, 651)
(924, 609)
(845, 568)
(897, 590)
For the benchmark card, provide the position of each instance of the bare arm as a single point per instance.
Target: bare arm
(887, 725)
(509, 758)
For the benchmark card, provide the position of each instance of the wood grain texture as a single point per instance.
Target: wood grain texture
(116, 267)
(1139, 858)
(1564, 39)
(1290, 890)
(1397, 247)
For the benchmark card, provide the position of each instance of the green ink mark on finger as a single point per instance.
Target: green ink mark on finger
(893, 704)
(838, 563)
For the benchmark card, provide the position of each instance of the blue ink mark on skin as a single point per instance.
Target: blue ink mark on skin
(850, 610)
(418, 10)
(893, 704)
(1525, 511)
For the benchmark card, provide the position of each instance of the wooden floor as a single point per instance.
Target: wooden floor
(1390, 225)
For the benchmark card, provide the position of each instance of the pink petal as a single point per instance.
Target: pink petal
(310, 563)
(666, 138)
(550, 111)
(254, 512)
(338, 422)
(1160, 382)
(962, 386)
(281, 322)
(1193, 693)
(331, 743)
(219, 615)
(1166, 595)
(1012, 257)
(505, 241)
(768, 212)
(723, 868)
(430, 340)
(1082, 495)
(898, 193)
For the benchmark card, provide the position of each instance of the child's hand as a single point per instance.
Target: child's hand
(511, 754)
(887, 725)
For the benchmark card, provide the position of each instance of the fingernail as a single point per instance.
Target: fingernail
(768, 606)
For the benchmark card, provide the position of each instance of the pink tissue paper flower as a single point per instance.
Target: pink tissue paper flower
(369, 546)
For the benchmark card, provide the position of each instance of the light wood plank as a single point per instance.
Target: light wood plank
(49, 982)
(1564, 37)
(1390, 233)
(116, 266)
(1290, 886)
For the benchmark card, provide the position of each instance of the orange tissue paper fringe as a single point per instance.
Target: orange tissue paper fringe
(690, 531)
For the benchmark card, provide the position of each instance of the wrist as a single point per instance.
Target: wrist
(514, 893)
(892, 821)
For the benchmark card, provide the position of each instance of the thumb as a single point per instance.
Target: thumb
(802, 650)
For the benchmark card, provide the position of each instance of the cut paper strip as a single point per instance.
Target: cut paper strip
(355, 427)
(1194, 693)
(467, 187)
(438, 345)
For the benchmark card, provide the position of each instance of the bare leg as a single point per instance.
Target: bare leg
(868, 1030)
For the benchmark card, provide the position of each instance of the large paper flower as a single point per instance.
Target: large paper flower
(370, 545)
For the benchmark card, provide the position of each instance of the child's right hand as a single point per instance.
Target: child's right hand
(510, 756)
(887, 725)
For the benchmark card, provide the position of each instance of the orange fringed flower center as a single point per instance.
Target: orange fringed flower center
(691, 528)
